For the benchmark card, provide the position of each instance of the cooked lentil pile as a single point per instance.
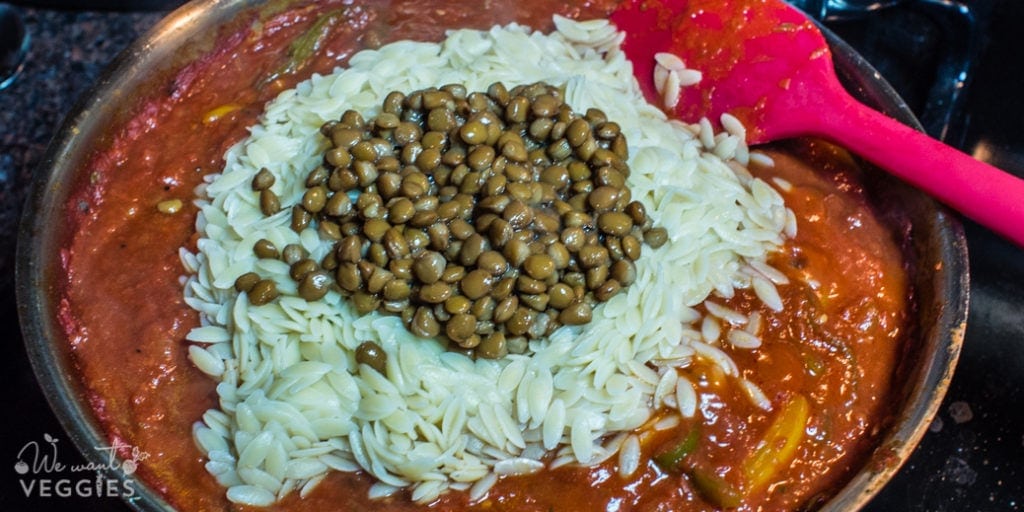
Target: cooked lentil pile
(488, 217)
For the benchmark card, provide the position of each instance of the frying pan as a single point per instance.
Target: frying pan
(935, 245)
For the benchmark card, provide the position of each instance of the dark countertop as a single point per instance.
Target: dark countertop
(971, 459)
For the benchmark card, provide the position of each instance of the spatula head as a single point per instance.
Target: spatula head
(762, 61)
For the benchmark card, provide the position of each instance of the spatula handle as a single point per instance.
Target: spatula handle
(987, 195)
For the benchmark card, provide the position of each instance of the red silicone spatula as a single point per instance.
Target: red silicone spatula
(767, 64)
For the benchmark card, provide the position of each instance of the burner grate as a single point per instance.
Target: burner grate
(926, 49)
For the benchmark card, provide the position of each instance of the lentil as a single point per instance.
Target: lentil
(490, 218)
(372, 355)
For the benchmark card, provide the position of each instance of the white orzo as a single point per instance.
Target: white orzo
(294, 405)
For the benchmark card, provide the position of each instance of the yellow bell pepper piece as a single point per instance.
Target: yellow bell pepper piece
(778, 446)
(214, 115)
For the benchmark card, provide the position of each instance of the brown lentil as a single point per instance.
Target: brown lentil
(492, 347)
(429, 267)
(476, 284)
(397, 289)
(314, 285)
(453, 273)
(246, 281)
(457, 304)
(263, 179)
(435, 293)
(265, 249)
(577, 313)
(269, 202)
(424, 324)
(624, 272)
(299, 269)
(490, 218)
(483, 308)
(504, 288)
(372, 355)
(460, 327)
(607, 290)
(631, 247)
(656, 237)
(264, 291)
(539, 266)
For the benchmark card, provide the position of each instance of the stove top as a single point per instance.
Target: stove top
(958, 66)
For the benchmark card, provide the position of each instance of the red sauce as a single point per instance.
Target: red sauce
(123, 311)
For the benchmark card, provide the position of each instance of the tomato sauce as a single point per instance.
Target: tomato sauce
(123, 312)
